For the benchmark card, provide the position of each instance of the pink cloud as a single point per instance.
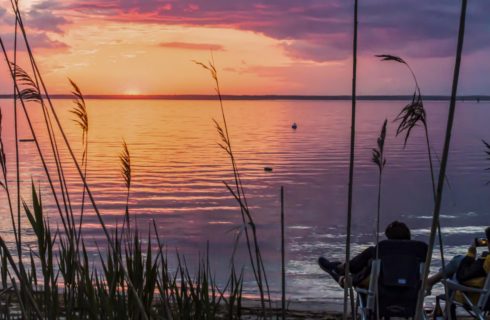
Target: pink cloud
(166, 7)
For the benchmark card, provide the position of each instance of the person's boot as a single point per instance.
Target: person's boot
(329, 267)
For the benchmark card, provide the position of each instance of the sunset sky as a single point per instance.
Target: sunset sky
(268, 47)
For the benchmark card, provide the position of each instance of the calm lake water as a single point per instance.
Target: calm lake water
(178, 174)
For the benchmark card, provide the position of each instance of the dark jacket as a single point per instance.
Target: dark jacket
(472, 267)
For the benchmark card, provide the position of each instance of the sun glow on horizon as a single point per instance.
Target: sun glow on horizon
(132, 92)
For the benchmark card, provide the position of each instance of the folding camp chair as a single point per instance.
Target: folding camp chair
(395, 280)
(461, 296)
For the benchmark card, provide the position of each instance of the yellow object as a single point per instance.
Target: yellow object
(474, 283)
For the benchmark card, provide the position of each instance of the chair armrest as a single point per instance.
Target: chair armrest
(457, 286)
(361, 290)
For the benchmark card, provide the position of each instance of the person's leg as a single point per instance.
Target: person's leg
(358, 263)
(450, 269)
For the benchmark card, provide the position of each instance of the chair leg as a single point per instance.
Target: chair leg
(360, 307)
(452, 310)
(353, 304)
(362, 311)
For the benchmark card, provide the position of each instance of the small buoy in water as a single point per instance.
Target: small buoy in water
(294, 126)
(267, 169)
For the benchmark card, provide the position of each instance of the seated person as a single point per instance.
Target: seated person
(360, 265)
(469, 270)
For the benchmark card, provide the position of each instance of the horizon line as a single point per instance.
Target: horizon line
(257, 97)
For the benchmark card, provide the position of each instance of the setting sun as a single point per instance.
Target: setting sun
(132, 92)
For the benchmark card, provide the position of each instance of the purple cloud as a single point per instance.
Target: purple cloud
(45, 20)
(36, 41)
(315, 30)
(319, 30)
(43, 16)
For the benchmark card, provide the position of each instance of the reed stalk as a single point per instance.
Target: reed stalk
(444, 159)
(24, 290)
(380, 161)
(4, 184)
(81, 114)
(487, 151)
(410, 116)
(283, 260)
(31, 94)
(45, 254)
(16, 137)
(125, 159)
(347, 285)
(238, 193)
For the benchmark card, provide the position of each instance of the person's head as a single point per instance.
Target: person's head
(397, 231)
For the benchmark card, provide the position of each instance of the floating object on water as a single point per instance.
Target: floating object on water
(268, 169)
(294, 126)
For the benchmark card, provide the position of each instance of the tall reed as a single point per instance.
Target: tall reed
(5, 186)
(444, 159)
(24, 292)
(45, 255)
(410, 117)
(487, 151)
(283, 259)
(413, 114)
(81, 119)
(16, 137)
(125, 159)
(348, 285)
(238, 193)
(380, 161)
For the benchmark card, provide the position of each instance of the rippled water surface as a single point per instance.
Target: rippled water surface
(179, 169)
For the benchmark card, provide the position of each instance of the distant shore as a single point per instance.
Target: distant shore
(263, 97)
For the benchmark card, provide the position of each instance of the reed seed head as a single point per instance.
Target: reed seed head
(410, 116)
(378, 153)
(80, 110)
(29, 91)
(389, 57)
(125, 158)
